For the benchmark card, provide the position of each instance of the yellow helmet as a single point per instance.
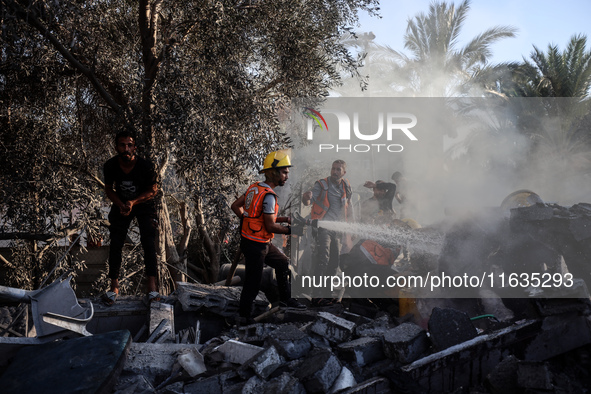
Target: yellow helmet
(412, 223)
(277, 159)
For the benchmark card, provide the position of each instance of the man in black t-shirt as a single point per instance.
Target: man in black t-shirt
(379, 207)
(130, 183)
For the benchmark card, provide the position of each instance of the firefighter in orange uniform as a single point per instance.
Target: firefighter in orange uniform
(331, 200)
(258, 209)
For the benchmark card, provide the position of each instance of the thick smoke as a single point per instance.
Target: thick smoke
(469, 154)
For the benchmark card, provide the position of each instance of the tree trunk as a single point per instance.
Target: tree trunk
(212, 249)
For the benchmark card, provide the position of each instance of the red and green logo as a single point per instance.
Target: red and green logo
(316, 116)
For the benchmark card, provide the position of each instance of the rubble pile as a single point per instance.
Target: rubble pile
(191, 343)
(331, 349)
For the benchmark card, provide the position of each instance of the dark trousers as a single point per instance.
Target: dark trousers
(326, 253)
(147, 222)
(256, 255)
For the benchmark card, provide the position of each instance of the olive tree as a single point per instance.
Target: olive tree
(203, 83)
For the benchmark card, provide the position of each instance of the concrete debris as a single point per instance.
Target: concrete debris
(255, 332)
(291, 342)
(374, 328)
(284, 383)
(238, 352)
(405, 343)
(344, 381)
(192, 362)
(220, 300)
(526, 343)
(265, 362)
(331, 353)
(133, 383)
(449, 327)
(335, 329)
(361, 351)
(320, 370)
(154, 361)
(161, 322)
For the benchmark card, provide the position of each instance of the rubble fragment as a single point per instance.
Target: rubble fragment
(449, 327)
(405, 343)
(291, 342)
(192, 362)
(319, 371)
(333, 328)
(344, 381)
(238, 352)
(161, 318)
(154, 360)
(265, 362)
(361, 351)
(221, 300)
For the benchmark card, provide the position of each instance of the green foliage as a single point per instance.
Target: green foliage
(203, 84)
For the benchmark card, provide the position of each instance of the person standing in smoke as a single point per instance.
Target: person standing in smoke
(257, 209)
(379, 206)
(331, 200)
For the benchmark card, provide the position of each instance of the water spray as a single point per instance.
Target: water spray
(429, 242)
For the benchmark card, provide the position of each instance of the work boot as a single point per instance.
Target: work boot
(292, 303)
(242, 321)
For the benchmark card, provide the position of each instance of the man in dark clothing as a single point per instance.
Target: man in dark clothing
(257, 209)
(130, 184)
(379, 207)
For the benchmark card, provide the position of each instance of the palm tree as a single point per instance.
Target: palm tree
(437, 66)
(545, 101)
(558, 74)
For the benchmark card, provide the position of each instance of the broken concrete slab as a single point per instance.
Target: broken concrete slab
(361, 351)
(192, 362)
(254, 385)
(154, 360)
(449, 327)
(558, 334)
(465, 364)
(221, 300)
(284, 383)
(405, 343)
(291, 342)
(256, 333)
(265, 362)
(374, 328)
(355, 318)
(216, 384)
(319, 371)
(159, 313)
(344, 381)
(133, 383)
(333, 328)
(535, 212)
(238, 352)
